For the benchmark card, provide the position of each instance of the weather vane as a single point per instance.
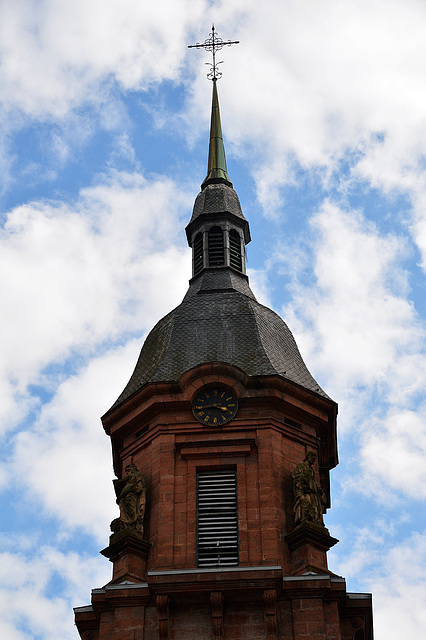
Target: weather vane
(213, 44)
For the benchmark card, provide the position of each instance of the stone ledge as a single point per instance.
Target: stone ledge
(213, 448)
(310, 533)
(229, 580)
(126, 542)
(176, 572)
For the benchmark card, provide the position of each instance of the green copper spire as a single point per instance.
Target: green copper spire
(216, 169)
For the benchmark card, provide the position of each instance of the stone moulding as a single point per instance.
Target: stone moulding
(126, 541)
(309, 533)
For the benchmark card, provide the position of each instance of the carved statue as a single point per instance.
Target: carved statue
(309, 498)
(131, 499)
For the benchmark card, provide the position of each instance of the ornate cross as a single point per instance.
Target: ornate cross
(213, 44)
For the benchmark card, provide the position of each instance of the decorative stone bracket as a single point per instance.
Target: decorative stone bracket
(216, 601)
(270, 605)
(162, 602)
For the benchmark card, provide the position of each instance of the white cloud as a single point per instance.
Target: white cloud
(330, 74)
(358, 324)
(400, 590)
(259, 285)
(319, 81)
(316, 81)
(393, 454)
(57, 55)
(393, 571)
(78, 275)
(362, 543)
(395, 575)
(69, 471)
(27, 606)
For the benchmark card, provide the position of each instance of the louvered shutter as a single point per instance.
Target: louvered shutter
(235, 250)
(217, 519)
(198, 253)
(215, 244)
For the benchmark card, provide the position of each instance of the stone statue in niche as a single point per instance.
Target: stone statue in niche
(309, 498)
(131, 499)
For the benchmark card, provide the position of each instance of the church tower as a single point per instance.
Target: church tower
(222, 446)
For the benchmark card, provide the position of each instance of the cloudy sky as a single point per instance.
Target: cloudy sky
(104, 117)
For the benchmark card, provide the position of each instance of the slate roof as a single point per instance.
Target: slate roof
(215, 200)
(220, 320)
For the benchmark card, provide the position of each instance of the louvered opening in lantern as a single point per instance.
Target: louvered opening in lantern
(216, 252)
(198, 253)
(235, 250)
(217, 519)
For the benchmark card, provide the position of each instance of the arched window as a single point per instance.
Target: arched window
(216, 252)
(235, 250)
(198, 253)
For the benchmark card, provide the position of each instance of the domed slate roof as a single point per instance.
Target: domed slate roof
(220, 320)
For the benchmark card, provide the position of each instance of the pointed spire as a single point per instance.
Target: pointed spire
(216, 169)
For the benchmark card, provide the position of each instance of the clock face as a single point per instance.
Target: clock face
(214, 406)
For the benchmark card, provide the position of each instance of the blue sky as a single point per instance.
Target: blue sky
(104, 118)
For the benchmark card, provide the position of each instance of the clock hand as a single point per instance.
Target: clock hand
(208, 406)
(213, 406)
(224, 409)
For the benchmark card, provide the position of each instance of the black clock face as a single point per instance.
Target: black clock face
(214, 406)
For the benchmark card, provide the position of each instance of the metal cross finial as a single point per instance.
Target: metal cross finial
(213, 44)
